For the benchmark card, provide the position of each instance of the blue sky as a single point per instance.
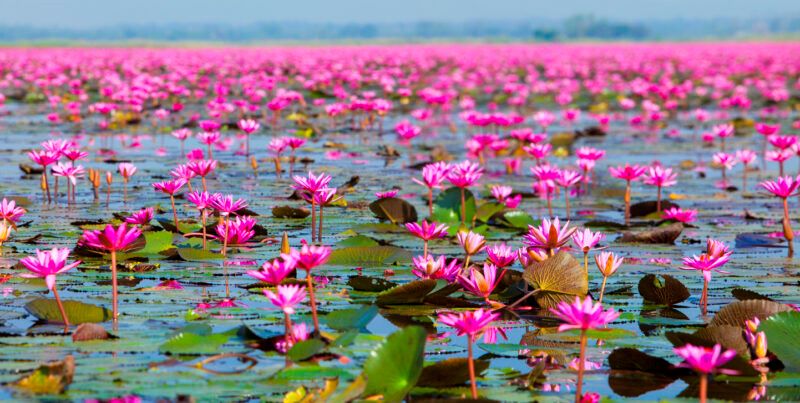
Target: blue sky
(97, 13)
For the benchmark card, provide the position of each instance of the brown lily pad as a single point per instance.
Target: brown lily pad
(646, 208)
(661, 235)
(91, 331)
(737, 312)
(559, 278)
(409, 293)
(663, 289)
(398, 211)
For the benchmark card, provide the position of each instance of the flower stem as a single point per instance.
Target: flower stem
(319, 231)
(430, 202)
(425, 249)
(703, 388)
(658, 200)
(471, 364)
(602, 289)
(313, 218)
(203, 221)
(566, 199)
(61, 309)
(581, 361)
(463, 207)
(310, 284)
(704, 298)
(174, 212)
(115, 311)
(628, 203)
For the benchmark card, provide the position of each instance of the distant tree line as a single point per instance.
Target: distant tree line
(573, 28)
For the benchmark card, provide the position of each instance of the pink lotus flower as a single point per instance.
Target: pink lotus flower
(274, 271)
(248, 126)
(481, 284)
(628, 172)
(472, 242)
(237, 231)
(435, 268)
(9, 211)
(782, 142)
(767, 129)
(465, 174)
(705, 360)
(298, 333)
(386, 195)
(607, 263)
(226, 205)
(470, 323)
(501, 255)
(427, 231)
(43, 157)
(782, 187)
(310, 256)
(111, 239)
(127, 170)
(141, 217)
(583, 315)
(169, 187)
(312, 183)
(586, 240)
(201, 200)
(706, 264)
(182, 134)
(48, 264)
(201, 167)
(432, 177)
(549, 235)
(287, 297)
(589, 153)
(680, 215)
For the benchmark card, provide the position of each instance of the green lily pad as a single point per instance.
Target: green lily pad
(370, 256)
(346, 319)
(393, 369)
(77, 312)
(783, 331)
(186, 343)
(305, 349)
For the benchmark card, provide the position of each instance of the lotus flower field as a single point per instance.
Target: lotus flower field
(520, 223)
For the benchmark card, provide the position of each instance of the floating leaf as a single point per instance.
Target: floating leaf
(449, 372)
(185, 343)
(410, 293)
(447, 206)
(393, 369)
(749, 240)
(346, 319)
(198, 255)
(559, 278)
(662, 235)
(783, 332)
(90, 331)
(646, 208)
(305, 349)
(727, 336)
(514, 219)
(77, 312)
(369, 284)
(370, 256)
(487, 210)
(357, 240)
(49, 379)
(662, 289)
(743, 294)
(290, 212)
(398, 211)
(737, 312)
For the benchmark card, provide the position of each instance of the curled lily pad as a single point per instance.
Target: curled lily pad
(77, 312)
(396, 210)
(91, 331)
(726, 335)
(743, 294)
(737, 312)
(305, 349)
(662, 289)
(646, 208)
(559, 278)
(661, 235)
(410, 293)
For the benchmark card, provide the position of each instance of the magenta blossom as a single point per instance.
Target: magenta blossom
(583, 314)
(435, 268)
(48, 264)
(287, 297)
(705, 360)
(471, 323)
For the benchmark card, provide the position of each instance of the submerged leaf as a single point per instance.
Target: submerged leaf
(49, 379)
(661, 235)
(450, 372)
(370, 256)
(409, 293)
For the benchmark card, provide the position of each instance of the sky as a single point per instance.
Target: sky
(100, 13)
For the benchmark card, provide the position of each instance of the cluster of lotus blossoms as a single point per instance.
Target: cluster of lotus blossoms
(253, 90)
